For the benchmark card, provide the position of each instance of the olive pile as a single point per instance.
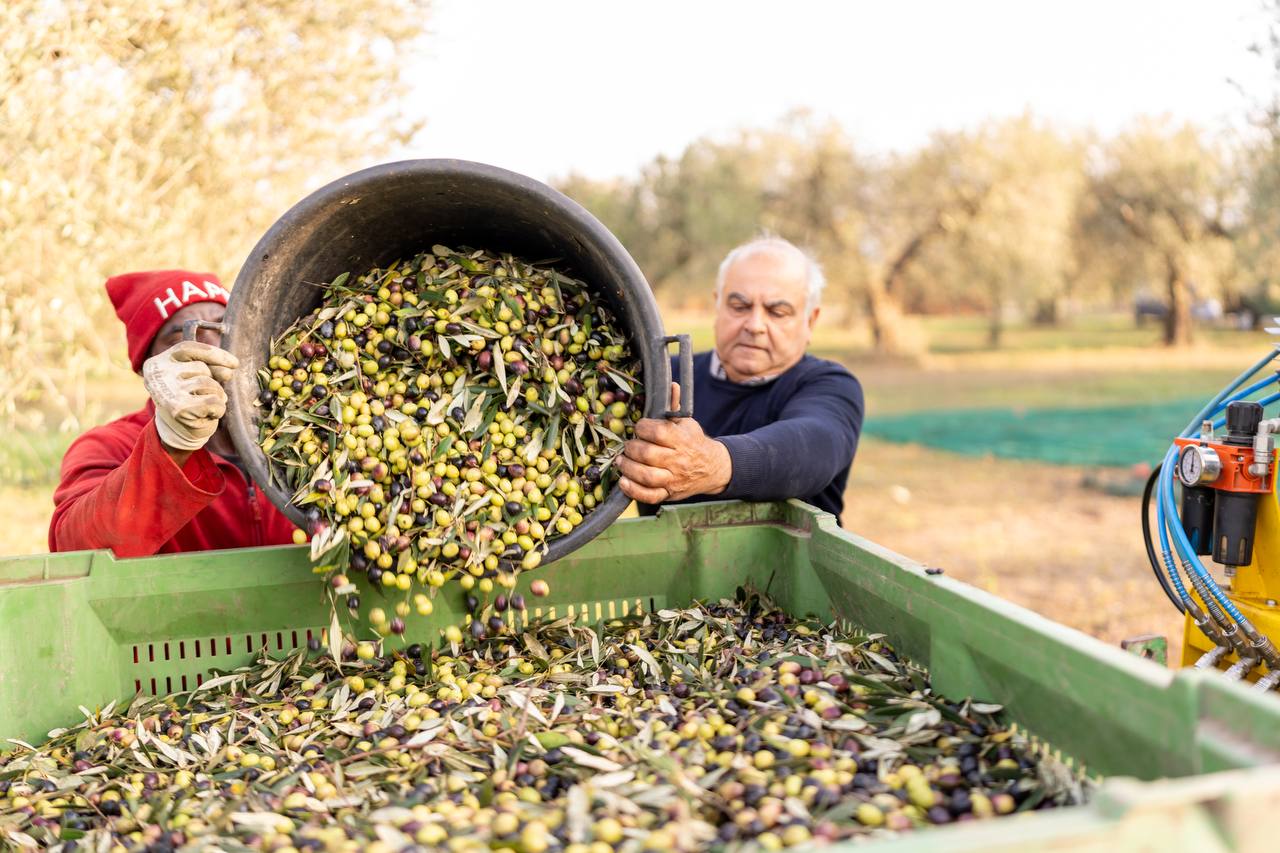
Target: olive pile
(444, 419)
(728, 725)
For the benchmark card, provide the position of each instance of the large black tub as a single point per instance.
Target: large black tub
(375, 216)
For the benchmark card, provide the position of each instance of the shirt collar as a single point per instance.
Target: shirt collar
(718, 372)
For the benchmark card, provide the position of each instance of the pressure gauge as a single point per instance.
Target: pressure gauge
(1198, 465)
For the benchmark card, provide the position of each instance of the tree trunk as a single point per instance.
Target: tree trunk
(1177, 323)
(1047, 312)
(885, 314)
(995, 313)
(995, 329)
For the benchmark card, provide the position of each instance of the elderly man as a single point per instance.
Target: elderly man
(165, 478)
(769, 422)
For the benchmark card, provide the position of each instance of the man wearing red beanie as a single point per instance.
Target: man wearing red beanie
(166, 478)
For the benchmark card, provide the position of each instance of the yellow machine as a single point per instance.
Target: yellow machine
(1215, 496)
(1254, 588)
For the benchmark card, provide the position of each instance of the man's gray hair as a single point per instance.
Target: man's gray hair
(815, 280)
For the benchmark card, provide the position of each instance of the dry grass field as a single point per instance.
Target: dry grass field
(1034, 534)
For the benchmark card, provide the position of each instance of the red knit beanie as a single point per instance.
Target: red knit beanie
(145, 300)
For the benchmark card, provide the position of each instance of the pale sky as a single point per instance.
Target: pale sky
(602, 87)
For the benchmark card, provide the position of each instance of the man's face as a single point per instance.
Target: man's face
(171, 332)
(762, 324)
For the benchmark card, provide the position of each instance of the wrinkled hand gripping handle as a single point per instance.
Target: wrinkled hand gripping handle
(686, 376)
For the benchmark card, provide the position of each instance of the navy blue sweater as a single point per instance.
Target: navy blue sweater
(794, 437)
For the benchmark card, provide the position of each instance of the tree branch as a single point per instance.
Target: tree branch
(970, 205)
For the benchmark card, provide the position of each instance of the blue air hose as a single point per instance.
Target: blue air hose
(1166, 551)
(1188, 555)
(1265, 401)
(1194, 425)
(1252, 389)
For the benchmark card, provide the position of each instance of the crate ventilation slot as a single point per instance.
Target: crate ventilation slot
(166, 666)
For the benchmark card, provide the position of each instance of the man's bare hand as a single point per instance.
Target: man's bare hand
(670, 460)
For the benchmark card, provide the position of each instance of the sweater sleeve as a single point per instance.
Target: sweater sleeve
(132, 501)
(797, 455)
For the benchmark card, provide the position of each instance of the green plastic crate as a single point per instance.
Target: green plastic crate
(85, 628)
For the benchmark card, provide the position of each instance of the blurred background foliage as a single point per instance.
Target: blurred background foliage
(147, 134)
(1013, 220)
(143, 134)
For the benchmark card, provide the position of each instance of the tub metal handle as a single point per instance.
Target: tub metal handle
(190, 327)
(685, 357)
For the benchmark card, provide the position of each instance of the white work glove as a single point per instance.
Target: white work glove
(184, 381)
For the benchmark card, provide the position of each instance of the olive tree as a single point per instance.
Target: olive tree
(138, 134)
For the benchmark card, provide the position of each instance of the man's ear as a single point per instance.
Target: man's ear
(813, 317)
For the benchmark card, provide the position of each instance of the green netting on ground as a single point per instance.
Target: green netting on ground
(1107, 435)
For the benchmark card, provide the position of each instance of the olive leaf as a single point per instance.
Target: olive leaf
(500, 367)
(474, 415)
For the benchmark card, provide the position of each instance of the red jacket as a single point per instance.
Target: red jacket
(121, 490)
